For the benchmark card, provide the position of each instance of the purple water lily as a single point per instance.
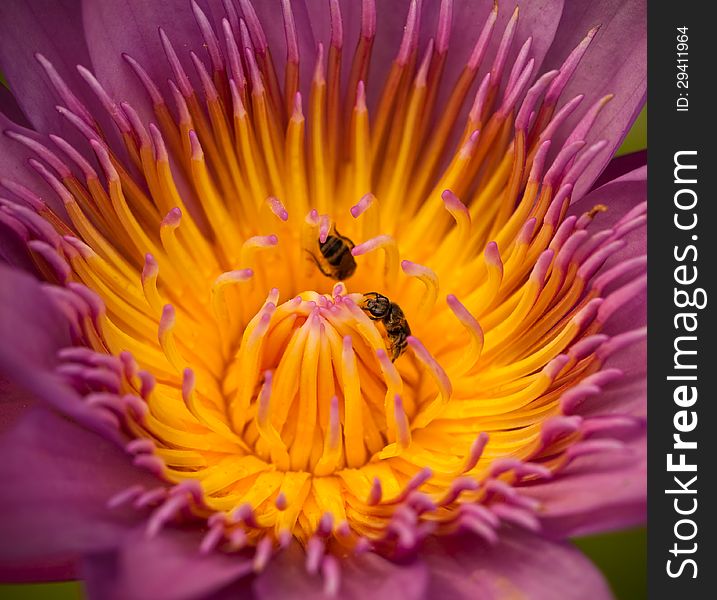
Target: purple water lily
(311, 298)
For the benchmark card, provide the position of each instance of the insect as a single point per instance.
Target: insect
(336, 260)
(380, 308)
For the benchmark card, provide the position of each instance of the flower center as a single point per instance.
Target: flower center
(326, 391)
(324, 414)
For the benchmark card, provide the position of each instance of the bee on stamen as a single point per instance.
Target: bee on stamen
(380, 308)
(335, 259)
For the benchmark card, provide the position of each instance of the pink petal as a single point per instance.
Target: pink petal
(286, 578)
(62, 476)
(168, 566)
(33, 330)
(521, 565)
(13, 250)
(595, 493)
(606, 491)
(53, 29)
(537, 18)
(45, 571)
(621, 165)
(13, 164)
(628, 395)
(14, 403)
(114, 27)
(10, 108)
(311, 19)
(620, 196)
(604, 71)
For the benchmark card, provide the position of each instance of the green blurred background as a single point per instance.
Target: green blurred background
(621, 556)
(637, 136)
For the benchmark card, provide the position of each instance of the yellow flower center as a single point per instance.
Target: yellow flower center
(286, 403)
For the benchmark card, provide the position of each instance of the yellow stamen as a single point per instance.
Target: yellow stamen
(295, 417)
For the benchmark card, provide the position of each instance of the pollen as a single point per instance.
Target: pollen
(220, 320)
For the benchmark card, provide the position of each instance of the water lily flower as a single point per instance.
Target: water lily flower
(312, 298)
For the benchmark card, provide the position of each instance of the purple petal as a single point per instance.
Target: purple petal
(607, 491)
(14, 403)
(538, 19)
(10, 108)
(286, 578)
(311, 20)
(521, 565)
(47, 571)
(621, 165)
(33, 330)
(168, 566)
(595, 493)
(603, 491)
(604, 71)
(620, 196)
(13, 250)
(62, 477)
(53, 29)
(628, 395)
(114, 27)
(31, 327)
(13, 164)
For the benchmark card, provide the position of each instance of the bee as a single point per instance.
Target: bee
(336, 259)
(380, 308)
